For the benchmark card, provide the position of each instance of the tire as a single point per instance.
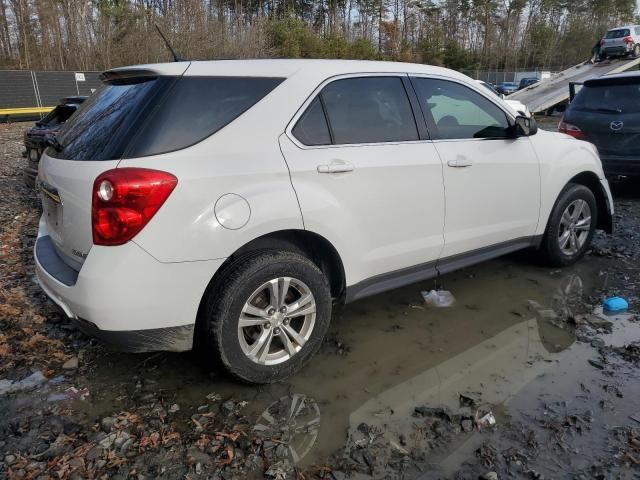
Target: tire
(243, 288)
(636, 51)
(572, 201)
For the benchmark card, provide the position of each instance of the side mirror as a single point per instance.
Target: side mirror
(502, 96)
(525, 126)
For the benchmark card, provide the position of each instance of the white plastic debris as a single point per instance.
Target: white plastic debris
(438, 298)
(487, 420)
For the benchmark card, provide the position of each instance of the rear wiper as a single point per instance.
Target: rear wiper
(52, 141)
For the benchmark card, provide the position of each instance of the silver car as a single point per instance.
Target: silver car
(621, 41)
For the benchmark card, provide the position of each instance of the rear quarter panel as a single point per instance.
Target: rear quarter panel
(243, 158)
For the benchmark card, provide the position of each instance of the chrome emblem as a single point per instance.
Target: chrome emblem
(615, 126)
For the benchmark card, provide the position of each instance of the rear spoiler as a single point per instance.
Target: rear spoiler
(133, 75)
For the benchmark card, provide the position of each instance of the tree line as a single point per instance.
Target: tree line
(460, 34)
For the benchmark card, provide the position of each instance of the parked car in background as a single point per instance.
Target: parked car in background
(527, 82)
(621, 41)
(507, 88)
(606, 112)
(35, 138)
(229, 204)
(518, 107)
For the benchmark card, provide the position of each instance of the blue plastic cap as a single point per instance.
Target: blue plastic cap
(615, 304)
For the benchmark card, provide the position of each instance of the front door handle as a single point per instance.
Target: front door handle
(336, 166)
(460, 162)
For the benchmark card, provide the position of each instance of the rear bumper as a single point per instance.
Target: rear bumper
(614, 166)
(621, 50)
(173, 339)
(31, 170)
(126, 297)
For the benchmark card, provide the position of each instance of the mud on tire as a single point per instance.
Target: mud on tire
(239, 295)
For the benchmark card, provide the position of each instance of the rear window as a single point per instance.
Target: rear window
(153, 115)
(608, 98)
(620, 33)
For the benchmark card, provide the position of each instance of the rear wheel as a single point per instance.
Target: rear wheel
(268, 317)
(571, 226)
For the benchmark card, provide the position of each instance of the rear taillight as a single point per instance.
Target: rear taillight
(124, 200)
(570, 129)
(628, 39)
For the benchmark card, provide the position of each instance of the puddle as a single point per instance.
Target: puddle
(388, 354)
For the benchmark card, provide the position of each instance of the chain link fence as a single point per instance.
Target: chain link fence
(30, 92)
(499, 76)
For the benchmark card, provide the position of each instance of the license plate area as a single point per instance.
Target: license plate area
(623, 143)
(52, 209)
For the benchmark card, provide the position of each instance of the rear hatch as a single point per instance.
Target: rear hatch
(615, 38)
(136, 113)
(91, 142)
(608, 113)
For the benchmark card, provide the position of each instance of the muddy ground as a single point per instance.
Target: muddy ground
(524, 377)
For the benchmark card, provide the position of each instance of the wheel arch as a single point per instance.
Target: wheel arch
(313, 246)
(592, 182)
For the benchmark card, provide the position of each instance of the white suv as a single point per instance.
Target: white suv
(227, 204)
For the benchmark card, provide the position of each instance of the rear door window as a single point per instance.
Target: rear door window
(148, 115)
(458, 112)
(312, 128)
(369, 110)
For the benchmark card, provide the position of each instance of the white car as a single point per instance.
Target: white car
(518, 108)
(227, 204)
(621, 41)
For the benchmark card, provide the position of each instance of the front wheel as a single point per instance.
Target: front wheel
(268, 317)
(571, 226)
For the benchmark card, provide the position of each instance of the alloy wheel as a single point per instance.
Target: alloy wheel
(277, 321)
(575, 225)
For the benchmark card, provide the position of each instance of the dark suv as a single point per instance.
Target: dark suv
(35, 138)
(606, 112)
(527, 82)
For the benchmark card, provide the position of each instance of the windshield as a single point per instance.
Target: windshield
(619, 33)
(58, 115)
(490, 88)
(608, 98)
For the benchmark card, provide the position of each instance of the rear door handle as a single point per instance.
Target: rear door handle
(336, 166)
(460, 162)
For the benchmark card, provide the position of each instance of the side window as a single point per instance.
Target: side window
(458, 112)
(369, 110)
(312, 128)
